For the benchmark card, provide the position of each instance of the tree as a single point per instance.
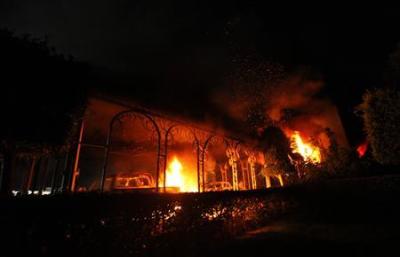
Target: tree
(380, 111)
(276, 148)
(43, 95)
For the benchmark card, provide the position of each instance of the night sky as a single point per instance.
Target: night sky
(186, 44)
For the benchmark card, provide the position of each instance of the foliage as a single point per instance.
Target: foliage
(380, 111)
(276, 148)
(274, 164)
(342, 161)
(43, 94)
(133, 224)
(337, 161)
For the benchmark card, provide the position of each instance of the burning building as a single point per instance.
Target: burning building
(125, 147)
(122, 146)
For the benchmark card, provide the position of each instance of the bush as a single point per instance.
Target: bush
(380, 111)
(132, 224)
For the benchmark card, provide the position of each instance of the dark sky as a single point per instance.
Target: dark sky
(190, 42)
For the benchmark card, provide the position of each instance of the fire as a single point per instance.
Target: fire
(178, 177)
(309, 152)
(174, 174)
(362, 149)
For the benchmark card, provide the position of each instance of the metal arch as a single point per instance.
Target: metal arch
(208, 141)
(224, 139)
(203, 152)
(248, 168)
(251, 152)
(252, 159)
(167, 132)
(196, 141)
(108, 143)
(237, 144)
(229, 142)
(233, 154)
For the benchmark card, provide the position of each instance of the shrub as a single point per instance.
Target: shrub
(380, 111)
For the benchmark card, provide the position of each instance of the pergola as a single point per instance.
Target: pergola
(161, 133)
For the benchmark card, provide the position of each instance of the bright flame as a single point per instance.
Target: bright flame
(309, 152)
(174, 174)
(176, 177)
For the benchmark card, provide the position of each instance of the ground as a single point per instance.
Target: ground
(289, 237)
(362, 220)
(346, 217)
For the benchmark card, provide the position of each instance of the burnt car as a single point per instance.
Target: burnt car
(218, 186)
(130, 181)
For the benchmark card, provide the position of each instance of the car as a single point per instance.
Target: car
(218, 186)
(130, 181)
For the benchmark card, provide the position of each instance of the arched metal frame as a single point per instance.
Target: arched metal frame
(251, 160)
(229, 143)
(166, 142)
(233, 155)
(202, 158)
(109, 137)
(202, 140)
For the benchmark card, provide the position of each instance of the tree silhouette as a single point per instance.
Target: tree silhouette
(380, 111)
(43, 94)
(276, 148)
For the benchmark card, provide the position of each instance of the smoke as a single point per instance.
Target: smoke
(295, 101)
(295, 93)
(297, 104)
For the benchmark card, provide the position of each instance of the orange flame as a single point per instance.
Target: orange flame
(309, 152)
(177, 177)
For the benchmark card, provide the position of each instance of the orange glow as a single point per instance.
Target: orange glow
(309, 152)
(178, 177)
